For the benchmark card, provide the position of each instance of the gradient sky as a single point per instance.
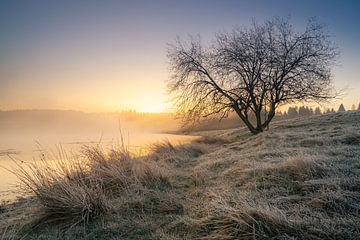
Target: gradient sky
(111, 55)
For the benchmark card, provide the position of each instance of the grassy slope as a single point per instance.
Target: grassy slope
(299, 180)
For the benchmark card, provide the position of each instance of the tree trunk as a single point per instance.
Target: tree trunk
(270, 117)
(245, 120)
(259, 126)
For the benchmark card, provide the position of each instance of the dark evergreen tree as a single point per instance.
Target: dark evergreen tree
(317, 111)
(311, 111)
(302, 111)
(293, 112)
(353, 108)
(341, 108)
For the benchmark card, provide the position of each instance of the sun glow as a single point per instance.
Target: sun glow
(152, 109)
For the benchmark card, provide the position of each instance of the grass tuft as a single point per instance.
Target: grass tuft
(118, 171)
(167, 152)
(351, 139)
(311, 143)
(65, 190)
(73, 191)
(212, 140)
(230, 220)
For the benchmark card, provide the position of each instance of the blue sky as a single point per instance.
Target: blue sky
(105, 55)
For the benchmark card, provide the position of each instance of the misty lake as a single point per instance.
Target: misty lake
(23, 145)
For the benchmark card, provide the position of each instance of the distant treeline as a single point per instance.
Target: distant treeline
(292, 112)
(309, 111)
(68, 120)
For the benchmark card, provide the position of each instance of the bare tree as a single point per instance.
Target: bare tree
(251, 72)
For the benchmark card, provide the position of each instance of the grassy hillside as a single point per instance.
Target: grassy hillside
(299, 180)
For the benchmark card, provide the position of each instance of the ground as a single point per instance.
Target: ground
(298, 180)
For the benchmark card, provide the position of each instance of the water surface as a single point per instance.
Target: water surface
(16, 148)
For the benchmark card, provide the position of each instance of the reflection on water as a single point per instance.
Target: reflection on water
(20, 149)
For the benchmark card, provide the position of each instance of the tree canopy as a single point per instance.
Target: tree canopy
(251, 71)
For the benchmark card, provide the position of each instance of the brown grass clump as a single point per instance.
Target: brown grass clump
(10, 233)
(212, 140)
(167, 152)
(65, 190)
(285, 176)
(117, 170)
(78, 190)
(72, 201)
(230, 220)
(336, 202)
(351, 139)
(304, 167)
(311, 143)
(153, 203)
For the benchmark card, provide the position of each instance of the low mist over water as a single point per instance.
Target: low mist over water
(24, 135)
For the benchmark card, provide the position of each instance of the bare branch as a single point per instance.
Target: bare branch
(248, 70)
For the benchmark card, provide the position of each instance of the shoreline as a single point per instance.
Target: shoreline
(264, 180)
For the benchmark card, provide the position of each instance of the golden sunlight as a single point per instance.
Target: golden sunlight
(164, 119)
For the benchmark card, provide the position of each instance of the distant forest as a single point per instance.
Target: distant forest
(292, 112)
(24, 121)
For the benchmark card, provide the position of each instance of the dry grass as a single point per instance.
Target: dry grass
(178, 155)
(236, 216)
(118, 170)
(303, 167)
(212, 140)
(285, 175)
(300, 180)
(77, 190)
(351, 139)
(64, 188)
(311, 142)
(10, 233)
(239, 220)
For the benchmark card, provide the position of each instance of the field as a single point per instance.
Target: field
(298, 180)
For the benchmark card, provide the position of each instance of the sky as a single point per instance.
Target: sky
(111, 55)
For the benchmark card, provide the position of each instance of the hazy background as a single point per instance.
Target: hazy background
(111, 55)
(26, 134)
(87, 60)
